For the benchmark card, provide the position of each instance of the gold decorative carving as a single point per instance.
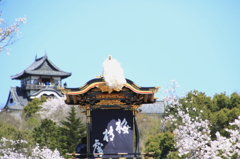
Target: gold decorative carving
(96, 106)
(135, 107)
(82, 107)
(110, 102)
(152, 98)
(85, 107)
(140, 97)
(88, 119)
(105, 88)
(154, 90)
(100, 76)
(95, 89)
(64, 91)
(68, 98)
(88, 112)
(110, 96)
(124, 106)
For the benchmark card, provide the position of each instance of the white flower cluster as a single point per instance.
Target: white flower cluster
(171, 97)
(9, 34)
(52, 106)
(57, 110)
(193, 136)
(8, 151)
(45, 152)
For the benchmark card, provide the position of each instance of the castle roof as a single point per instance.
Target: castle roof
(43, 67)
(153, 108)
(19, 97)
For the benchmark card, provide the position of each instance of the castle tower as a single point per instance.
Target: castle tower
(41, 78)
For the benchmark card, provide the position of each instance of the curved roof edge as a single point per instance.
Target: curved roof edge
(19, 98)
(33, 69)
(47, 90)
(97, 82)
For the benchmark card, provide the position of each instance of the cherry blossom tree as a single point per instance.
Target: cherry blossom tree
(9, 33)
(192, 136)
(54, 109)
(8, 150)
(57, 110)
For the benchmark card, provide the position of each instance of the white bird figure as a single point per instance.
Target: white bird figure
(113, 73)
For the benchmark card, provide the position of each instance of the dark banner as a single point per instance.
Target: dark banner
(112, 132)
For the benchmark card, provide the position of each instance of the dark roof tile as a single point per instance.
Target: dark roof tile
(42, 66)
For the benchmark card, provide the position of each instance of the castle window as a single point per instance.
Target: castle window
(11, 100)
(46, 81)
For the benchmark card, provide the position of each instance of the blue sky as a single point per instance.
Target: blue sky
(196, 43)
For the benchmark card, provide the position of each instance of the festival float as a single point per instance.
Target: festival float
(111, 103)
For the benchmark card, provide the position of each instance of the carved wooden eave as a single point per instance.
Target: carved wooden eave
(96, 94)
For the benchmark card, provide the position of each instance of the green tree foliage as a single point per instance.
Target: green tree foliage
(29, 114)
(221, 101)
(72, 131)
(235, 100)
(219, 121)
(219, 110)
(47, 134)
(6, 118)
(10, 132)
(148, 125)
(226, 110)
(11, 127)
(32, 107)
(194, 100)
(65, 137)
(173, 155)
(162, 144)
(200, 102)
